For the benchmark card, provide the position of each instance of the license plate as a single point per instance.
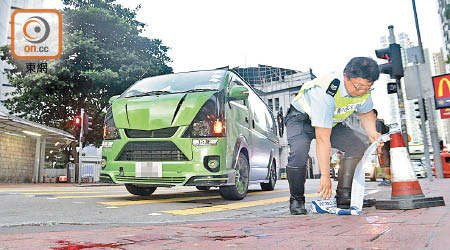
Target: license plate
(148, 169)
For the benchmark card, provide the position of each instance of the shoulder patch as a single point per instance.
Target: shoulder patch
(333, 87)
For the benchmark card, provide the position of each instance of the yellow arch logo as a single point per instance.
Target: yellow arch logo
(441, 83)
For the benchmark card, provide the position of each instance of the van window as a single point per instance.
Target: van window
(258, 107)
(269, 120)
(180, 82)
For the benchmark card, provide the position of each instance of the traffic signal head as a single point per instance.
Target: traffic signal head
(417, 108)
(393, 55)
(87, 123)
(396, 61)
(386, 55)
(77, 125)
(383, 53)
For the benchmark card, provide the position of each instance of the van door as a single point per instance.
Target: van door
(237, 120)
(260, 142)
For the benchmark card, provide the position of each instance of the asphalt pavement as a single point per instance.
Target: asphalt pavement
(426, 228)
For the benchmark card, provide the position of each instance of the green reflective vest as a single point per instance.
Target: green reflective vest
(345, 106)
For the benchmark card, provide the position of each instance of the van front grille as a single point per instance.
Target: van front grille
(151, 151)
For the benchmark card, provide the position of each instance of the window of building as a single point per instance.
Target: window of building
(277, 104)
(270, 104)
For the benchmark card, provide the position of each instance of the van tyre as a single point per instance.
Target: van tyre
(203, 188)
(272, 179)
(239, 190)
(143, 191)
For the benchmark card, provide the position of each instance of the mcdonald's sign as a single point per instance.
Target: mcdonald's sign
(441, 86)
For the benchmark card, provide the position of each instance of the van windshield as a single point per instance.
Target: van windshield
(176, 83)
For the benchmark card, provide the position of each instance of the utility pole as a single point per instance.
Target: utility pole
(80, 151)
(432, 122)
(421, 104)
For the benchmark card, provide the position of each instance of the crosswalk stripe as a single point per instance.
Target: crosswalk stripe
(93, 196)
(237, 205)
(80, 192)
(106, 195)
(164, 192)
(76, 189)
(123, 203)
(53, 190)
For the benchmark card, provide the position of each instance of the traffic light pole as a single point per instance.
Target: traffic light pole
(432, 122)
(80, 151)
(401, 106)
(434, 139)
(426, 150)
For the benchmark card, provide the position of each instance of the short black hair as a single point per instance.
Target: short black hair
(375, 111)
(362, 67)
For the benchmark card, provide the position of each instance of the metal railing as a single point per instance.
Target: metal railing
(90, 172)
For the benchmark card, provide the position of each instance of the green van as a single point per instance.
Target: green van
(202, 128)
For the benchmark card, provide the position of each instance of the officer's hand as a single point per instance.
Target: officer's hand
(374, 136)
(325, 187)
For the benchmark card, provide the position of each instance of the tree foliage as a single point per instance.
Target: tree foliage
(103, 54)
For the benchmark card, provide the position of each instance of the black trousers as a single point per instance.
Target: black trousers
(300, 133)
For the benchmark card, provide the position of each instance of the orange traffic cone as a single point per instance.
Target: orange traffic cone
(406, 190)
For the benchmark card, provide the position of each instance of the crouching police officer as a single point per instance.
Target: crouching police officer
(317, 112)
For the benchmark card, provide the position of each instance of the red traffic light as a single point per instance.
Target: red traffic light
(385, 56)
(383, 53)
(77, 121)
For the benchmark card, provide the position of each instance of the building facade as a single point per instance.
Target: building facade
(444, 14)
(7, 7)
(439, 69)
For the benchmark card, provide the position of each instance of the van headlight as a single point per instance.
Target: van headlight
(209, 121)
(110, 132)
(208, 128)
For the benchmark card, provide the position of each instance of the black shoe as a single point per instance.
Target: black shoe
(297, 207)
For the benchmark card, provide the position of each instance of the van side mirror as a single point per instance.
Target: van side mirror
(113, 98)
(238, 93)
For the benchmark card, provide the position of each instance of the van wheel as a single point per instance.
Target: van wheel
(203, 188)
(239, 190)
(143, 191)
(272, 179)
